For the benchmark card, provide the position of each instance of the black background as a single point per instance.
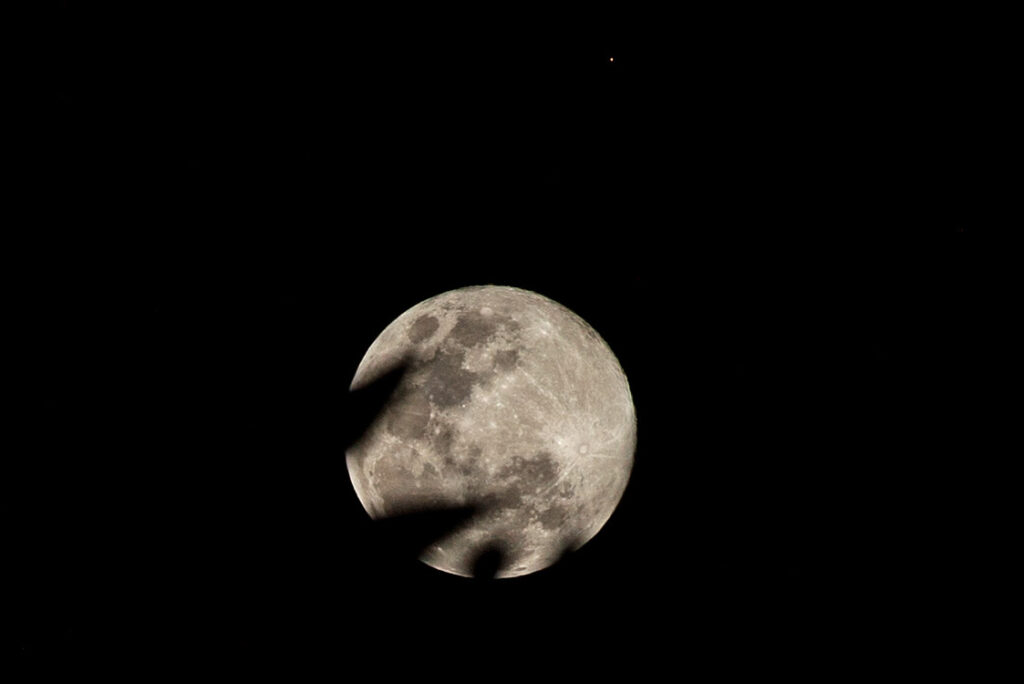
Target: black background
(771, 218)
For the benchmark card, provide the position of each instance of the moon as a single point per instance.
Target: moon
(510, 405)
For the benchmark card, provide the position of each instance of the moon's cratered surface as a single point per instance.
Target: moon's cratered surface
(510, 405)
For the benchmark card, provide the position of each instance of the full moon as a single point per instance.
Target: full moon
(509, 405)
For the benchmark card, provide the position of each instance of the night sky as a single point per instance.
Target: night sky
(771, 219)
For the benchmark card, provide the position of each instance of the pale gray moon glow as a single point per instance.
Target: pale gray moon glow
(512, 405)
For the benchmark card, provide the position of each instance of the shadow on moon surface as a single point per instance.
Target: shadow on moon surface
(407, 534)
(365, 404)
(488, 562)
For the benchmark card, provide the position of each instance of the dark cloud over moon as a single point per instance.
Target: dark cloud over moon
(511, 406)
